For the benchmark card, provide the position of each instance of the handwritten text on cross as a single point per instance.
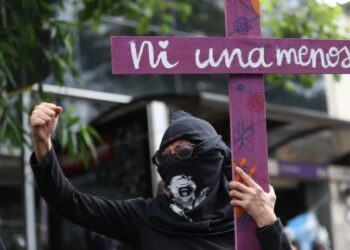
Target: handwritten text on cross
(165, 55)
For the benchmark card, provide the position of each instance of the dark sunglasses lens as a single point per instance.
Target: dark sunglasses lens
(184, 150)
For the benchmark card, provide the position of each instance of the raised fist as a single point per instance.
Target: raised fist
(43, 122)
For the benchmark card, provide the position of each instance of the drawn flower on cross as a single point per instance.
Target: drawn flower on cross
(255, 102)
(242, 25)
(240, 87)
(241, 137)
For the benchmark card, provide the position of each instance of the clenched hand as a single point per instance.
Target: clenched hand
(43, 121)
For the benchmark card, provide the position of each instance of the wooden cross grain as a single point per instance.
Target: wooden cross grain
(245, 57)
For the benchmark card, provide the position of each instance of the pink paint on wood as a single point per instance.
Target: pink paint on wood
(247, 116)
(170, 55)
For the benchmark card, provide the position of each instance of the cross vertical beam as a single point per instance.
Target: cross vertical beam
(247, 116)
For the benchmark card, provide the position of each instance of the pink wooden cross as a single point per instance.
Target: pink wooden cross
(245, 57)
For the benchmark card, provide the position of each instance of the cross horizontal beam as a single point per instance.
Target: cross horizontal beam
(184, 55)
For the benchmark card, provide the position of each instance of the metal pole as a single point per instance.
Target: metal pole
(158, 121)
(84, 94)
(28, 180)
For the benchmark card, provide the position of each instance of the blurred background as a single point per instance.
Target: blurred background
(59, 51)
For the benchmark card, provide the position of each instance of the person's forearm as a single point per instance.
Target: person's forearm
(98, 214)
(272, 237)
(41, 148)
(265, 219)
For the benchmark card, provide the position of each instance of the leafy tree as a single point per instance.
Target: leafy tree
(36, 42)
(299, 19)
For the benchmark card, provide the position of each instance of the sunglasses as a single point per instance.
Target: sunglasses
(183, 151)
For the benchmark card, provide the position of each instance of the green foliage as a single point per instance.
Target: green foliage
(35, 43)
(144, 12)
(72, 132)
(10, 130)
(299, 19)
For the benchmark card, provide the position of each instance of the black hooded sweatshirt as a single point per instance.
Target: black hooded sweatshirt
(153, 224)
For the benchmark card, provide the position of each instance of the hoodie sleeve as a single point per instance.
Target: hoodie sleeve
(111, 218)
(271, 237)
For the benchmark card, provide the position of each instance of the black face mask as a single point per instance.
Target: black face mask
(189, 182)
(193, 182)
(198, 203)
(202, 168)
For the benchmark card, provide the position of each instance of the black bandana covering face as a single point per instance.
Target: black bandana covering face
(198, 202)
(194, 183)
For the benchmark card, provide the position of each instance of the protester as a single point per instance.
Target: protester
(194, 213)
